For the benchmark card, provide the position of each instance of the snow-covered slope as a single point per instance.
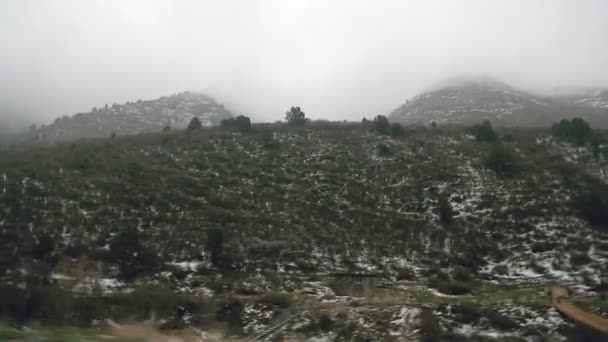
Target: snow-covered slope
(470, 101)
(594, 98)
(135, 117)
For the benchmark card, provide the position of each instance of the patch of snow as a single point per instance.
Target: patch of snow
(404, 322)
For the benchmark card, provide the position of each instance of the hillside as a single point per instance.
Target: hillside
(220, 214)
(469, 101)
(131, 118)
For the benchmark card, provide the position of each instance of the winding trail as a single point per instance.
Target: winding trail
(558, 293)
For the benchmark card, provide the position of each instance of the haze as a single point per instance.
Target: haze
(340, 59)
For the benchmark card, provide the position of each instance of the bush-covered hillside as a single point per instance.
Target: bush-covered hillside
(324, 197)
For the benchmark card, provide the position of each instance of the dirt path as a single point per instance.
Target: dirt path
(558, 293)
(149, 333)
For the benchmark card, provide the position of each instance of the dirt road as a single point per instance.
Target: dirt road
(558, 295)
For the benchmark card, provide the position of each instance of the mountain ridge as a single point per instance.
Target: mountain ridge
(131, 118)
(466, 101)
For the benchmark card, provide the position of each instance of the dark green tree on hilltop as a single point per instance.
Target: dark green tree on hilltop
(241, 123)
(295, 116)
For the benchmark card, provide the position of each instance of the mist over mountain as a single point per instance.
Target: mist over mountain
(337, 60)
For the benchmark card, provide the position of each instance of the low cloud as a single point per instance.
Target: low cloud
(336, 59)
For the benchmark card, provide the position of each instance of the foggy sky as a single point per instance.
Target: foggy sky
(337, 59)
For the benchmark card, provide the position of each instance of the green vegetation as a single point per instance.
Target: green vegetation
(381, 125)
(282, 300)
(430, 329)
(484, 132)
(593, 205)
(446, 213)
(195, 124)
(502, 160)
(231, 312)
(576, 130)
(215, 245)
(132, 257)
(384, 150)
(240, 123)
(295, 116)
(447, 284)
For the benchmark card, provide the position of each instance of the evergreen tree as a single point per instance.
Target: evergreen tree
(195, 124)
(215, 245)
(381, 124)
(295, 116)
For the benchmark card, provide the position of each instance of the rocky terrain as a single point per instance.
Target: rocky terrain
(130, 118)
(324, 232)
(469, 101)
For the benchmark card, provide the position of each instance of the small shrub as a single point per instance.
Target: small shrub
(381, 125)
(466, 313)
(44, 247)
(444, 284)
(230, 311)
(81, 161)
(215, 245)
(462, 275)
(384, 150)
(281, 300)
(267, 138)
(579, 259)
(588, 279)
(542, 246)
(484, 132)
(430, 329)
(325, 322)
(455, 288)
(593, 206)
(406, 274)
(446, 213)
(132, 257)
(396, 130)
(500, 321)
(502, 160)
(501, 269)
(139, 304)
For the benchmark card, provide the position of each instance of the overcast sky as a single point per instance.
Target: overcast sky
(337, 59)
